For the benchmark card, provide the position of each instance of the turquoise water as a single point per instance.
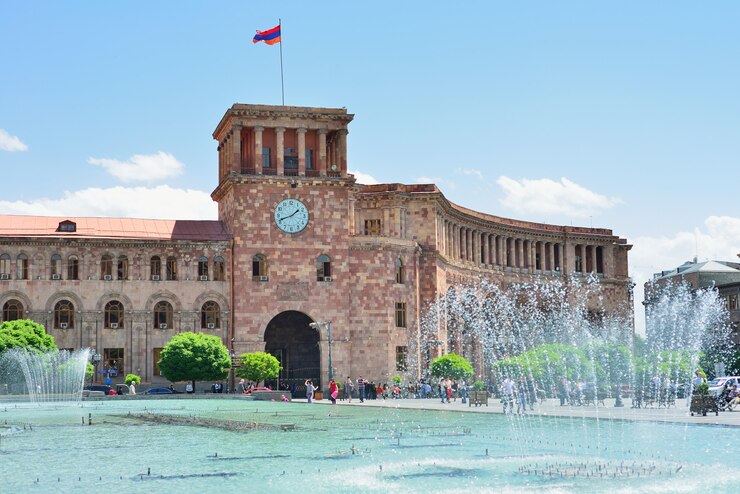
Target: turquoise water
(347, 449)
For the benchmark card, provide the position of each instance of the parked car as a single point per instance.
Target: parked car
(161, 391)
(716, 384)
(108, 390)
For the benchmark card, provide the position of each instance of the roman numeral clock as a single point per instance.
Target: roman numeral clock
(291, 216)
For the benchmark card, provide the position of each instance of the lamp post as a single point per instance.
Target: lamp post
(317, 326)
(95, 360)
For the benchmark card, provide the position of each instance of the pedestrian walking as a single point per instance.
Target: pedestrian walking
(348, 387)
(309, 390)
(361, 388)
(333, 391)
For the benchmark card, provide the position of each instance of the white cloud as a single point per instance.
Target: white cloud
(11, 143)
(364, 178)
(473, 172)
(141, 167)
(161, 202)
(718, 240)
(545, 196)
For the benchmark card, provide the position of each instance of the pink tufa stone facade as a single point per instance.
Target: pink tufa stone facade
(367, 262)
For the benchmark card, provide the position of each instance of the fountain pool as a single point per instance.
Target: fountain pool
(185, 444)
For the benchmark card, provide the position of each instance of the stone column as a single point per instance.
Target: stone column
(280, 145)
(236, 148)
(593, 259)
(342, 151)
(301, 151)
(258, 150)
(486, 249)
(322, 152)
(561, 257)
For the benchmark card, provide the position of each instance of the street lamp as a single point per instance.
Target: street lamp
(317, 326)
(95, 360)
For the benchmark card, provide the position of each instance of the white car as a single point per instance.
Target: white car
(717, 384)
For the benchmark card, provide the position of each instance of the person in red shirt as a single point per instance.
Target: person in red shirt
(333, 391)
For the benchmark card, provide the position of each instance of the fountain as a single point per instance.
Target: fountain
(206, 443)
(49, 376)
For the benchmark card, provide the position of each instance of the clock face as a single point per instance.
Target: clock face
(291, 216)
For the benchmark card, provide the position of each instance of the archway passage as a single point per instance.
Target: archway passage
(296, 345)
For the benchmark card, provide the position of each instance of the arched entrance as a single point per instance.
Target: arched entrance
(296, 345)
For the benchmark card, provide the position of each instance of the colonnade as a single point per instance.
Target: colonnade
(241, 151)
(502, 250)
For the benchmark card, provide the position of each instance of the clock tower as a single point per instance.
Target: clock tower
(284, 195)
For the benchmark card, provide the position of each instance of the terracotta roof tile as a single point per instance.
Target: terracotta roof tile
(132, 228)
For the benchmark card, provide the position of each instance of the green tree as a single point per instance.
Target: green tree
(132, 377)
(23, 333)
(194, 357)
(258, 366)
(451, 365)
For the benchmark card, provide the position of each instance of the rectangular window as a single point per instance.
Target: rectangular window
(22, 268)
(578, 264)
(402, 354)
(266, 157)
(733, 302)
(290, 159)
(73, 269)
(400, 314)
(372, 227)
(309, 159)
(171, 269)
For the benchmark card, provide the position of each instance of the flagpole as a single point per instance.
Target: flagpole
(282, 84)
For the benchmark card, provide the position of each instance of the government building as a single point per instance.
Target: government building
(297, 241)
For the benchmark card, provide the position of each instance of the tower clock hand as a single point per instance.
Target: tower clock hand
(286, 217)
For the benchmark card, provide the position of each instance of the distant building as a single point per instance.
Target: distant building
(297, 241)
(724, 276)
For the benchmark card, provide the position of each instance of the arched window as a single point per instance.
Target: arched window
(122, 271)
(12, 310)
(163, 315)
(323, 268)
(400, 272)
(5, 266)
(203, 268)
(210, 315)
(114, 314)
(73, 268)
(155, 266)
(218, 269)
(259, 267)
(106, 267)
(171, 268)
(64, 315)
(22, 267)
(56, 267)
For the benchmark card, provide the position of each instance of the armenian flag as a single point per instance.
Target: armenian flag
(270, 37)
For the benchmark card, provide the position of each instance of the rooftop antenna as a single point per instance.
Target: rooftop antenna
(696, 247)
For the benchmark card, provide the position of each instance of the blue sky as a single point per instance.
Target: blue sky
(623, 115)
